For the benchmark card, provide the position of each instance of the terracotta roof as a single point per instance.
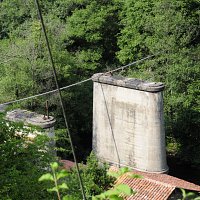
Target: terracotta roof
(146, 188)
(67, 164)
(154, 186)
(171, 180)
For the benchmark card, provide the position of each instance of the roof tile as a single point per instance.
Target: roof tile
(153, 186)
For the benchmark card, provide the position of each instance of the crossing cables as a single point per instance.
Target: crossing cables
(60, 96)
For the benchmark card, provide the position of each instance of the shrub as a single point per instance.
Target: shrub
(22, 162)
(94, 176)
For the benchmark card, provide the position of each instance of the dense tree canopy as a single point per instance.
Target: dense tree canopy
(92, 36)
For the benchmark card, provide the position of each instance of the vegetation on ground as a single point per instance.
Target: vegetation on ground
(66, 183)
(24, 158)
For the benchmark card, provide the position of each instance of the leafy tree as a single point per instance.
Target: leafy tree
(22, 162)
(94, 176)
(91, 36)
(66, 183)
(88, 45)
(82, 37)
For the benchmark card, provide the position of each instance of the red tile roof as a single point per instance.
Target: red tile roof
(67, 164)
(173, 181)
(146, 188)
(153, 186)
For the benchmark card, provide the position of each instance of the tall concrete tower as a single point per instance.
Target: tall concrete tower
(128, 124)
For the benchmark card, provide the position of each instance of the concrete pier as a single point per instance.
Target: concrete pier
(128, 124)
(32, 118)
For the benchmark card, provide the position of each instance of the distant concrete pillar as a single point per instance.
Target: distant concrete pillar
(32, 118)
(128, 124)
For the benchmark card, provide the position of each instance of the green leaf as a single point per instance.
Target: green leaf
(135, 176)
(190, 194)
(54, 165)
(111, 192)
(115, 197)
(101, 196)
(68, 197)
(54, 189)
(113, 174)
(183, 192)
(46, 177)
(63, 173)
(123, 170)
(119, 173)
(63, 186)
(125, 189)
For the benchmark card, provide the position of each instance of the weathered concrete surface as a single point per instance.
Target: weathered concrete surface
(128, 125)
(29, 117)
(132, 83)
(32, 118)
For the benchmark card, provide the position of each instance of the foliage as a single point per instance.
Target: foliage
(115, 193)
(91, 36)
(88, 37)
(122, 171)
(94, 176)
(63, 148)
(189, 195)
(78, 53)
(94, 182)
(22, 162)
(173, 146)
(55, 177)
(66, 184)
(119, 191)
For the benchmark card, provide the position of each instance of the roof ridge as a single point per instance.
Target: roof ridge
(160, 182)
(171, 180)
(164, 179)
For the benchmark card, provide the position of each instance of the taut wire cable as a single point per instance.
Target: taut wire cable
(60, 97)
(77, 83)
(44, 93)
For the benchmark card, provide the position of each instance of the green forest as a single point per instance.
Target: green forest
(92, 36)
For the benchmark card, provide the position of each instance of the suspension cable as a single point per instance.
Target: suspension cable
(77, 83)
